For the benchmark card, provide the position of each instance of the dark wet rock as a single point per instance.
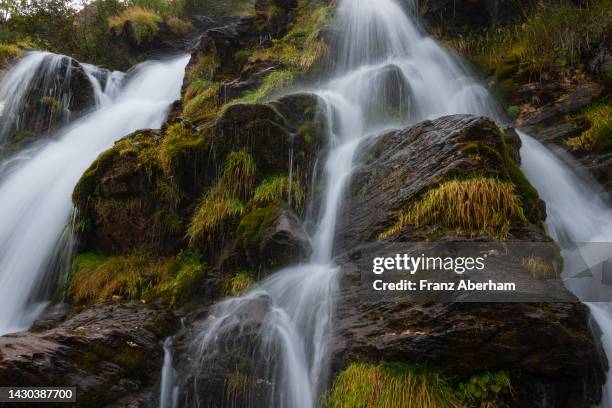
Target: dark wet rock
(455, 17)
(108, 352)
(127, 200)
(48, 103)
(234, 377)
(272, 238)
(547, 340)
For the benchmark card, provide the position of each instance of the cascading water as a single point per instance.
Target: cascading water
(35, 197)
(37, 75)
(387, 74)
(576, 217)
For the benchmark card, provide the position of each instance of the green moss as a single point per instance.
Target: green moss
(182, 280)
(550, 35)
(180, 148)
(274, 82)
(172, 280)
(253, 226)
(367, 385)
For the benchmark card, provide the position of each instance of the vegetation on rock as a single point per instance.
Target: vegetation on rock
(472, 206)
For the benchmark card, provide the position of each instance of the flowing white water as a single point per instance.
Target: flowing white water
(50, 74)
(387, 74)
(35, 198)
(576, 216)
(168, 396)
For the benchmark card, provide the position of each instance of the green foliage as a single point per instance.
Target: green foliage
(477, 205)
(302, 49)
(145, 22)
(599, 135)
(390, 385)
(181, 283)
(173, 280)
(224, 201)
(486, 387)
(513, 111)
(278, 188)
(552, 34)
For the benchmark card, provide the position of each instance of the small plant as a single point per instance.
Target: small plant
(513, 111)
(275, 81)
(145, 23)
(223, 202)
(486, 388)
(479, 205)
(8, 52)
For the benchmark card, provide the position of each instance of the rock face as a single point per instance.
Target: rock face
(549, 345)
(132, 191)
(109, 352)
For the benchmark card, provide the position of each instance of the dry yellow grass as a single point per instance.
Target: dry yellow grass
(539, 267)
(365, 385)
(479, 205)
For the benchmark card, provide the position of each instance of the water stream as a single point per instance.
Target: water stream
(35, 193)
(387, 74)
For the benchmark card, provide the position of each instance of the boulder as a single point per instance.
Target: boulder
(109, 352)
(547, 341)
(272, 238)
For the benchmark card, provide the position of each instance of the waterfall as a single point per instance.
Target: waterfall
(168, 395)
(387, 74)
(35, 196)
(36, 75)
(576, 217)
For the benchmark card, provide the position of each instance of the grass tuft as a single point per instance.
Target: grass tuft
(239, 284)
(278, 188)
(539, 267)
(386, 385)
(224, 201)
(145, 22)
(480, 205)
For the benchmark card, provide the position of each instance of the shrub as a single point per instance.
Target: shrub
(145, 23)
(479, 205)
(385, 385)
